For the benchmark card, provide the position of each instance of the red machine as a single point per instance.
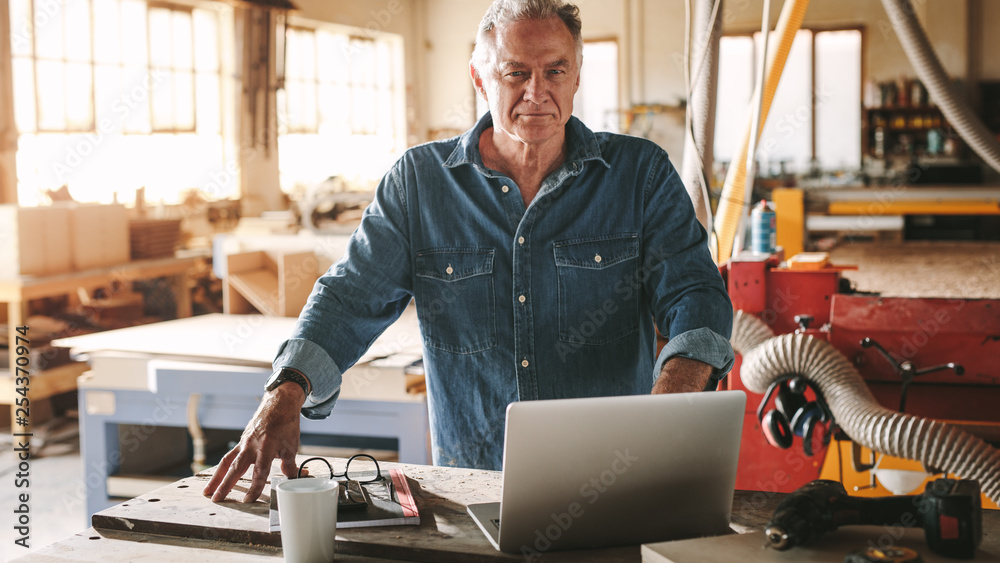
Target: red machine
(935, 358)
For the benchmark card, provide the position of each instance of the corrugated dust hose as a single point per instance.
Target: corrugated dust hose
(934, 443)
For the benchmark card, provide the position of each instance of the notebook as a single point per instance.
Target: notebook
(386, 506)
(606, 471)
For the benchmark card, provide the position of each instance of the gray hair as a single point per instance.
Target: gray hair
(504, 12)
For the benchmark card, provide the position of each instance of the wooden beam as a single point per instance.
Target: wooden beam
(8, 128)
(915, 207)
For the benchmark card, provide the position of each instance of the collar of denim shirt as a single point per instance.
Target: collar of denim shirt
(583, 146)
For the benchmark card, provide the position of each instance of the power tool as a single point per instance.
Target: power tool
(949, 511)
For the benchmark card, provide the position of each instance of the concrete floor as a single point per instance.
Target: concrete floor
(56, 490)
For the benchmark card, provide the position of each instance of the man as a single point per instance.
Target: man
(538, 254)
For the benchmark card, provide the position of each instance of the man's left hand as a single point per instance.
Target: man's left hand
(682, 375)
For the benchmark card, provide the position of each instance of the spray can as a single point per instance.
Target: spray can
(763, 237)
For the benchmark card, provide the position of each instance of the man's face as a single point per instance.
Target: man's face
(530, 88)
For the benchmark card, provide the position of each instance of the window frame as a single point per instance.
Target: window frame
(815, 30)
(153, 130)
(350, 83)
(93, 64)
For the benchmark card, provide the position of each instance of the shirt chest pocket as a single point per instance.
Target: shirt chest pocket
(455, 299)
(597, 293)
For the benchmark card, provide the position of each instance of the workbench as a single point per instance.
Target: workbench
(177, 522)
(17, 292)
(212, 369)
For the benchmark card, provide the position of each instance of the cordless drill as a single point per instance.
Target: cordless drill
(949, 511)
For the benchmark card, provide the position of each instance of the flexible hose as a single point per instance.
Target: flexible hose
(700, 131)
(928, 67)
(749, 332)
(936, 444)
(733, 200)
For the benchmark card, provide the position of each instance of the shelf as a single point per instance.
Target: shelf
(904, 109)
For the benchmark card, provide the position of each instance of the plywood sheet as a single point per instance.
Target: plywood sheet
(34, 241)
(99, 235)
(831, 548)
(260, 288)
(239, 339)
(951, 270)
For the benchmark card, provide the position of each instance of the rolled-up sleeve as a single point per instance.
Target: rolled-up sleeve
(687, 294)
(354, 301)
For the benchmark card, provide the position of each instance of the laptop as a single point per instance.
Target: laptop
(607, 471)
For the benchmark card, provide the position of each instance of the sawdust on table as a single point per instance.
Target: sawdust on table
(968, 270)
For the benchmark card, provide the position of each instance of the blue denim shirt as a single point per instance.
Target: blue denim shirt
(557, 300)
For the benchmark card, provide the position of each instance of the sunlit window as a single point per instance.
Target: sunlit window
(109, 95)
(596, 102)
(816, 111)
(342, 109)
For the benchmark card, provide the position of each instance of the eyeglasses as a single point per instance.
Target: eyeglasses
(360, 469)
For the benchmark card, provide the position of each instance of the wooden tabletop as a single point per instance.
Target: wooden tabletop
(106, 545)
(446, 532)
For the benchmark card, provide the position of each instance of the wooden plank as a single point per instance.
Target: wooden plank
(276, 284)
(246, 261)
(99, 235)
(36, 287)
(250, 338)
(789, 212)
(45, 384)
(233, 302)
(446, 531)
(831, 548)
(103, 545)
(34, 241)
(58, 250)
(260, 288)
(914, 207)
(296, 276)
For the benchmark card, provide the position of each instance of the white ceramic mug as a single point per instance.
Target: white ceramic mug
(307, 511)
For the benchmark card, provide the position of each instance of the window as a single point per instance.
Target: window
(596, 102)
(104, 90)
(816, 112)
(342, 108)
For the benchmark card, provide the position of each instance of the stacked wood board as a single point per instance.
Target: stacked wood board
(154, 238)
(98, 235)
(34, 241)
(272, 283)
(49, 240)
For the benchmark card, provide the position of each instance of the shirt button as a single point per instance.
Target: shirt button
(450, 270)
(505, 189)
(524, 363)
(597, 259)
(520, 240)
(522, 299)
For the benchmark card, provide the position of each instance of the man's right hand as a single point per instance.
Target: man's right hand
(273, 432)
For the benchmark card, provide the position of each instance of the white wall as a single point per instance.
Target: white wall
(989, 38)
(651, 38)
